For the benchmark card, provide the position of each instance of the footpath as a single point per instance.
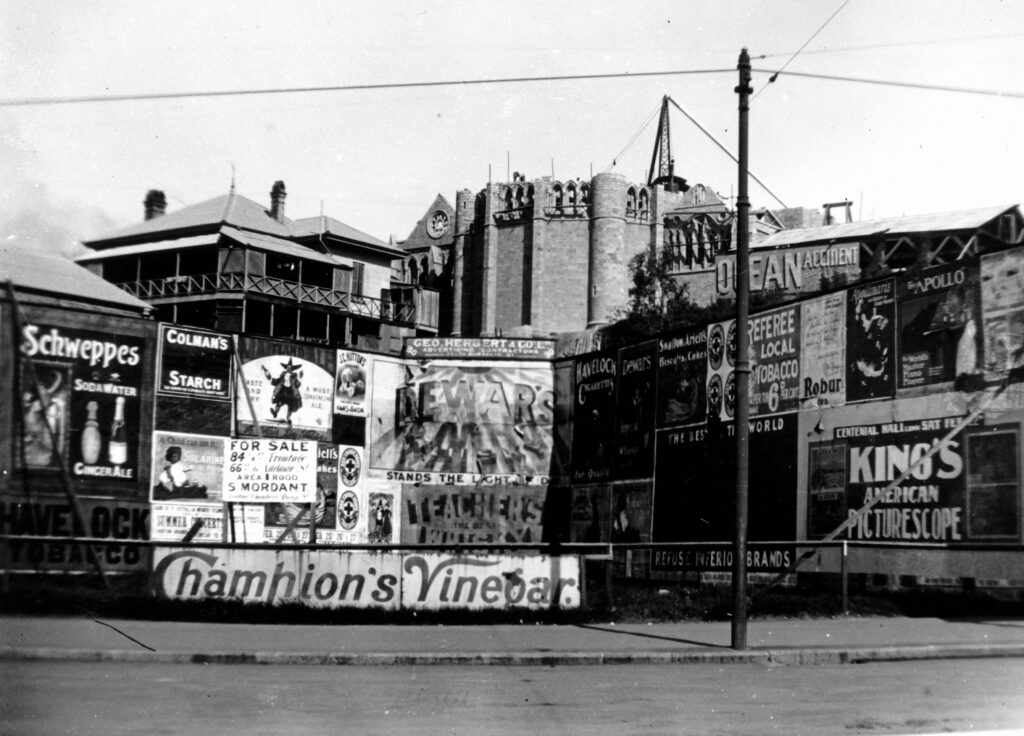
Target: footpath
(838, 640)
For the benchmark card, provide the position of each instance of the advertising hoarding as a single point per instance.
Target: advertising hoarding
(115, 522)
(92, 420)
(774, 361)
(270, 470)
(634, 410)
(194, 363)
(871, 341)
(464, 424)
(468, 514)
(823, 351)
(187, 467)
(939, 333)
(593, 417)
(682, 378)
(288, 390)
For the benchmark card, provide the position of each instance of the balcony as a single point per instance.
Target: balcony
(174, 287)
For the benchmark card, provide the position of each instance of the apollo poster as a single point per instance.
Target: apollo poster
(929, 506)
(91, 420)
(774, 361)
(593, 410)
(194, 363)
(187, 467)
(472, 514)
(1002, 303)
(350, 394)
(871, 341)
(454, 422)
(682, 378)
(721, 388)
(634, 410)
(290, 387)
(823, 351)
(940, 337)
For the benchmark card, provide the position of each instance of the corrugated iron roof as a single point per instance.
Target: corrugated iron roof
(61, 277)
(279, 245)
(132, 250)
(231, 209)
(938, 222)
(308, 226)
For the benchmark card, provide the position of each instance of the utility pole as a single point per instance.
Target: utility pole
(739, 546)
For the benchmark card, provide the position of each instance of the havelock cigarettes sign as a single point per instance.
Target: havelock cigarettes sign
(270, 470)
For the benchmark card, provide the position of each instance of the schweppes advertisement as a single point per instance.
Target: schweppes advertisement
(89, 413)
(195, 363)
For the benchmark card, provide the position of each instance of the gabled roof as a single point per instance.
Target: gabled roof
(56, 276)
(913, 224)
(240, 213)
(229, 209)
(419, 239)
(331, 229)
(280, 245)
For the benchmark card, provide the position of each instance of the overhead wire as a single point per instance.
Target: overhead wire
(31, 101)
(727, 151)
(806, 43)
(891, 83)
(636, 135)
(901, 44)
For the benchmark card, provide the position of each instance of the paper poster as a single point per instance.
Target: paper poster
(823, 351)
(270, 470)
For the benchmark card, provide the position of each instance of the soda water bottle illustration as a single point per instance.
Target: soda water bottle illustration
(91, 436)
(118, 450)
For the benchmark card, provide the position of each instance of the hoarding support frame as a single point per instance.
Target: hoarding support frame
(19, 320)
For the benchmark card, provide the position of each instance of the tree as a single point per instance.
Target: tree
(659, 302)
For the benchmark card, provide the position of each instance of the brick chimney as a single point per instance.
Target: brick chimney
(155, 204)
(277, 196)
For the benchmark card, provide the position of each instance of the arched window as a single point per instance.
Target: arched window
(644, 203)
(570, 194)
(584, 193)
(519, 203)
(424, 271)
(631, 202)
(413, 271)
(509, 203)
(529, 195)
(557, 197)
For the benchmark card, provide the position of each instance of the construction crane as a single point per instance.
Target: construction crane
(662, 163)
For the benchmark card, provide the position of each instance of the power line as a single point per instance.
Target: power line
(806, 43)
(31, 101)
(902, 44)
(636, 135)
(727, 151)
(889, 83)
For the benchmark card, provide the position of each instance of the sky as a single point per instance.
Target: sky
(376, 159)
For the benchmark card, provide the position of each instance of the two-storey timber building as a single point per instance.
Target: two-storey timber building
(231, 264)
